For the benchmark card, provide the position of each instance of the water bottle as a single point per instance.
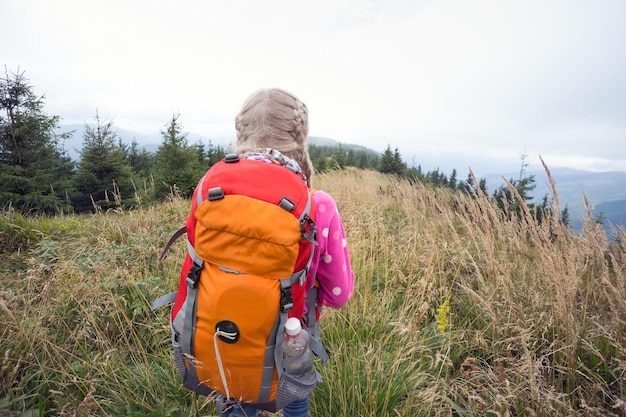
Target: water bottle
(298, 360)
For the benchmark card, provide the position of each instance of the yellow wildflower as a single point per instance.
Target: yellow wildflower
(442, 316)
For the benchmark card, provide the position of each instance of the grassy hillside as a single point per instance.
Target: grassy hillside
(456, 312)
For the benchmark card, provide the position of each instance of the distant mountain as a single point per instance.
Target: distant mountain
(613, 212)
(321, 141)
(332, 143)
(605, 192)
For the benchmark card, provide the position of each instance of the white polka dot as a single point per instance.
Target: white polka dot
(337, 291)
(336, 235)
(325, 232)
(344, 243)
(327, 258)
(321, 208)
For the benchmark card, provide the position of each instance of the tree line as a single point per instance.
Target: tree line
(38, 176)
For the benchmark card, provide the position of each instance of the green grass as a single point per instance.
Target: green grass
(535, 326)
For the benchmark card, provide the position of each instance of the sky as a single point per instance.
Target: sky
(451, 84)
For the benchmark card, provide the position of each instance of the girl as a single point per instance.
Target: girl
(278, 120)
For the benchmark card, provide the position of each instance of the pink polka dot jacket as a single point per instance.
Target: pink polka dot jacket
(331, 260)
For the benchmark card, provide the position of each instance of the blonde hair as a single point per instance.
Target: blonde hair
(274, 118)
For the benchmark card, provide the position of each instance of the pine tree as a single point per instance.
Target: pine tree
(470, 187)
(452, 182)
(363, 162)
(398, 163)
(386, 165)
(339, 157)
(104, 176)
(215, 153)
(391, 162)
(565, 217)
(140, 161)
(318, 158)
(511, 202)
(201, 153)
(34, 173)
(176, 166)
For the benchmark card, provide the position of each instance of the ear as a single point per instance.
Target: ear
(306, 133)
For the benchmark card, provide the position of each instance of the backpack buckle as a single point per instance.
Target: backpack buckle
(231, 157)
(193, 277)
(215, 193)
(286, 204)
(309, 234)
(286, 300)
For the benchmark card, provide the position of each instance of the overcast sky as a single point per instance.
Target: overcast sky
(446, 82)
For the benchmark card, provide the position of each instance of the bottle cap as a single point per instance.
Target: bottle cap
(293, 327)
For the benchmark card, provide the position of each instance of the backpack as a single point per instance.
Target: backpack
(250, 238)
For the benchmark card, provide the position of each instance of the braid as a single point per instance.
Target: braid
(274, 118)
(301, 122)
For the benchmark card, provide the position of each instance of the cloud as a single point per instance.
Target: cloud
(489, 77)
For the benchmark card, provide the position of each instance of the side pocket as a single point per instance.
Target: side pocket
(292, 388)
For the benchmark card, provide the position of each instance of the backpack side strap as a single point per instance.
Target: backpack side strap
(315, 342)
(171, 297)
(319, 350)
(163, 300)
(173, 239)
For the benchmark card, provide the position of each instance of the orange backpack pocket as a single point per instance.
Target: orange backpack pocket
(243, 305)
(266, 243)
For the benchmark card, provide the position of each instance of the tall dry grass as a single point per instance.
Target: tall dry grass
(456, 312)
(536, 319)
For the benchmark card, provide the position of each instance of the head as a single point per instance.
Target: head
(274, 118)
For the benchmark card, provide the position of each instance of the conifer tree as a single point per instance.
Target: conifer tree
(104, 176)
(339, 157)
(318, 158)
(176, 166)
(511, 202)
(398, 163)
(391, 162)
(140, 160)
(452, 181)
(34, 173)
(201, 152)
(362, 162)
(565, 217)
(470, 187)
(386, 164)
(415, 173)
(215, 153)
